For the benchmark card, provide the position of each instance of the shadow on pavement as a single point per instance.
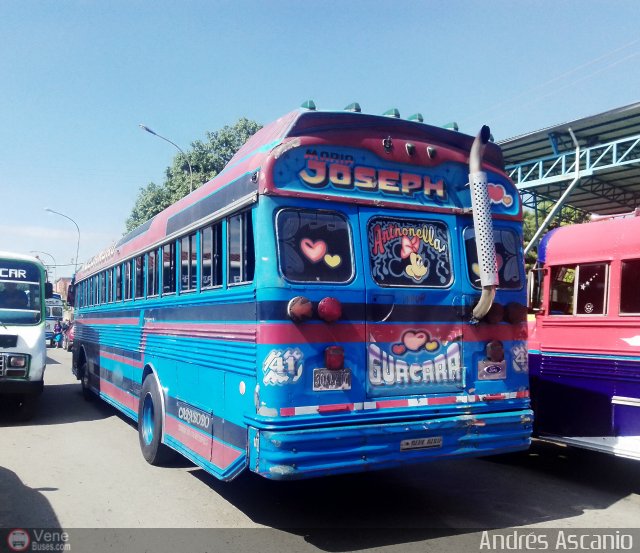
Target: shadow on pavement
(432, 500)
(58, 404)
(22, 506)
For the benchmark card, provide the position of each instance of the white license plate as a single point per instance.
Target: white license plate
(324, 379)
(421, 443)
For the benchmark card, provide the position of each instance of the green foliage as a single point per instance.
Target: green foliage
(207, 159)
(567, 216)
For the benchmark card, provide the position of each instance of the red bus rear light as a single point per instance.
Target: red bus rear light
(334, 358)
(329, 310)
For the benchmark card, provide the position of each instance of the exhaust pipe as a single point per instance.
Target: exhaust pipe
(483, 224)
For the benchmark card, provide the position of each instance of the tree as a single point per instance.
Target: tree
(567, 216)
(207, 159)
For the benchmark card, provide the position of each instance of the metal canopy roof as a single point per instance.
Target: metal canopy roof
(542, 164)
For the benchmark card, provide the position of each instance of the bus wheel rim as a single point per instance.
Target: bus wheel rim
(147, 419)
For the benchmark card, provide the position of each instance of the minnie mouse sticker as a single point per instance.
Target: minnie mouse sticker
(409, 253)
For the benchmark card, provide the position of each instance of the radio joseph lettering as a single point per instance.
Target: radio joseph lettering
(326, 169)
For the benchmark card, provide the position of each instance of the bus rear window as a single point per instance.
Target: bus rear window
(314, 246)
(508, 247)
(410, 252)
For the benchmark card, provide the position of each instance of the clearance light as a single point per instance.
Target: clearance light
(310, 105)
(299, 309)
(353, 107)
(334, 358)
(495, 351)
(393, 112)
(452, 126)
(417, 117)
(329, 310)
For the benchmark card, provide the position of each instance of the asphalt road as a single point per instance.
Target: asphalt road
(77, 464)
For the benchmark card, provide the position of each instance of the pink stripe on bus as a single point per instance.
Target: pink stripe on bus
(119, 395)
(121, 359)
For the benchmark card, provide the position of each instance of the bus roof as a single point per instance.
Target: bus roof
(595, 241)
(215, 196)
(20, 257)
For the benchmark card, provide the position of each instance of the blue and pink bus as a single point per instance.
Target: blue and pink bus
(344, 296)
(585, 342)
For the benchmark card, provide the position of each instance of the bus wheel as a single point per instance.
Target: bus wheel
(150, 425)
(87, 394)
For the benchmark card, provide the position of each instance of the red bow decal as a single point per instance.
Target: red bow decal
(409, 246)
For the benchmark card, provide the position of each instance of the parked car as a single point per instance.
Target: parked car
(67, 340)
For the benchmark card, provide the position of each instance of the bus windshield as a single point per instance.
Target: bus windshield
(20, 295)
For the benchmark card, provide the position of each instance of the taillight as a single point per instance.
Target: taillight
(329, 310)
(334, 358)
(495, 351)
(299, 309)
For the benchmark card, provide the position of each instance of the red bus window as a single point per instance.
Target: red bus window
(629, 285)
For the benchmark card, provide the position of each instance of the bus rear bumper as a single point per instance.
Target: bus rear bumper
(307, 453)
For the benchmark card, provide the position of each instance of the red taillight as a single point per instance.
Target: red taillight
(495, 351)
(334, 358)
(299, 309)
(329, 310)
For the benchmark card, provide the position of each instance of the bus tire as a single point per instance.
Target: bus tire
(150, 425)
(87, 394)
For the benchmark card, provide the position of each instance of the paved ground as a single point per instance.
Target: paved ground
(77, 464)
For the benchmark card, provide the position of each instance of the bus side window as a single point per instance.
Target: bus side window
(169, 268)
(562, 285)
(128, 280)
(188, 263)
(630, 282)
(241, 251)
(211, 249)
(152, 273)
(139, 273)
(119, 283)
(591, 289)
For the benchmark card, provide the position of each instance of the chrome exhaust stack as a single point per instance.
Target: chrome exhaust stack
(485, 245)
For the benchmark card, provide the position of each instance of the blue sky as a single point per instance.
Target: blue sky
(79, 76)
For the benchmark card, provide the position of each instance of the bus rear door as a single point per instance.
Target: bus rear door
(414, 318)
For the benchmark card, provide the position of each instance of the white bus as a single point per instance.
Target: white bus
(22, 331)
(54, 313)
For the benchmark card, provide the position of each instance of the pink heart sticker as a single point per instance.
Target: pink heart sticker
(314, 251)
(414, 340)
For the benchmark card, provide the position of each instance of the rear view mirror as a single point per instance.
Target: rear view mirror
(48, 290)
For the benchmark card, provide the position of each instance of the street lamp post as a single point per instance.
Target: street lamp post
(53, 259)
(145, 128)
(75, 265)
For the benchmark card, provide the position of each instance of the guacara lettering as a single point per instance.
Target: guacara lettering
(338, 171)
(387, 370)
(193, 417)
(13, 273)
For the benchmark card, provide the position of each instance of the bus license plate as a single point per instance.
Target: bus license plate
(324, 379)
(421, 443)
